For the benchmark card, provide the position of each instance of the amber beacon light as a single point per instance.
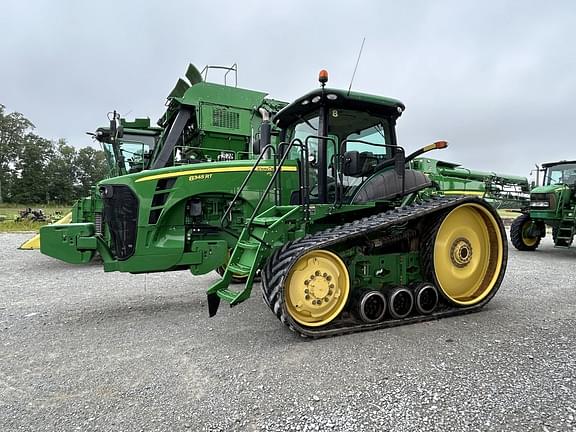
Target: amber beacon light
(323, 77)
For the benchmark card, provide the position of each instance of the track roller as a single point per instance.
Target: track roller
(425, 298)
(372, 306)
(400, 302)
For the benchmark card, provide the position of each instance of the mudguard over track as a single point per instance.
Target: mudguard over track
(431, 212)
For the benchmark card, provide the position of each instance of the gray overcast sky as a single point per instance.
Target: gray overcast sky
(494, 78)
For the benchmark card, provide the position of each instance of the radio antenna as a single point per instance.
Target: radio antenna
(356, 67)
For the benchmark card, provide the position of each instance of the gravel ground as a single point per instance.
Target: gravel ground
(89, 351)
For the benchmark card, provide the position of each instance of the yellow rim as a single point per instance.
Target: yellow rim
(528, 241)
(468, 254)
(316, 288)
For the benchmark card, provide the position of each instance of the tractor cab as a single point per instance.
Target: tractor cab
(128, 146)
(351, 146)
(560, 173)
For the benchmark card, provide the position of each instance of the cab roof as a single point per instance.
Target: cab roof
(336, 98)
(549, 164)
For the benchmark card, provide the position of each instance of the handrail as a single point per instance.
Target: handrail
(243, 185)
(334, 156)
(304, 155)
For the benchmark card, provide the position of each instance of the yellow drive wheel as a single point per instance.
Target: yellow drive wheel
(468, 254)
(316, 288)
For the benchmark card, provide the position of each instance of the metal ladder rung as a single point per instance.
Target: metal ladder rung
(245, 245)
(238, 269)
(228, 295)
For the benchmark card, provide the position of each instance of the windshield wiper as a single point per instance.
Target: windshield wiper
(307, 122)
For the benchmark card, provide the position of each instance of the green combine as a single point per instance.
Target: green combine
(345, 235)
(553, 204)
(204, 122)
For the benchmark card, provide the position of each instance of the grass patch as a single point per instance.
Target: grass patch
(508, 214)
(11, 212)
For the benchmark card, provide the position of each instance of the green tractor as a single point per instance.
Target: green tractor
(553, 204)
(344, 235)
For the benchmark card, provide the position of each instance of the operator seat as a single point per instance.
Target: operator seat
(382, 186)
(388, 185)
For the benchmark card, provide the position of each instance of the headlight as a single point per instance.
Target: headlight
(540, 204)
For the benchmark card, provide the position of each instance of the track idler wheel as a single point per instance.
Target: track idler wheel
(400, 302)
(467, 253)
(425, 298)
(372, 307)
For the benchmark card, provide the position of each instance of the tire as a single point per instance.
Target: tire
(518, 237)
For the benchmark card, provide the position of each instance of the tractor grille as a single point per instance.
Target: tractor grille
(121, 217)
(225, 119)
(550, 197)
(98, 222)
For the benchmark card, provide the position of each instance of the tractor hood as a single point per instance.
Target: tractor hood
(235, 166)
(548, 189)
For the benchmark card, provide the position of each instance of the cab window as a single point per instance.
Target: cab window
(562, 174)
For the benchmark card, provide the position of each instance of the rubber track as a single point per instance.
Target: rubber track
(280, 262)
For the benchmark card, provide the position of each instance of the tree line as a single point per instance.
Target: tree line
(34, 169)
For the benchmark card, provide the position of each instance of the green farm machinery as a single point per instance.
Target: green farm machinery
(204, 122)
(346, 237)
(503, 191)
(552, 204)
(126, 145)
